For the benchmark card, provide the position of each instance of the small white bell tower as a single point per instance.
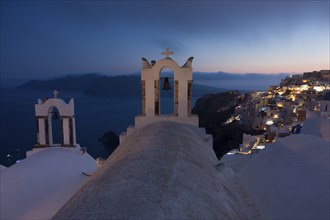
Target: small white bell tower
(43, 114)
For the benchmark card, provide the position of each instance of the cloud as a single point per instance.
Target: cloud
(111, 34)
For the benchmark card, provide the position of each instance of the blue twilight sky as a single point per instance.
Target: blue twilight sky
(47, 38)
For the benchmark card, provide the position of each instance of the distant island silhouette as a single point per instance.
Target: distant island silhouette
(102, 85)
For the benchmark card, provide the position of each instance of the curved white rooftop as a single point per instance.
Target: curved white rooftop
(289, 179)
(39, 185)
(163, 170)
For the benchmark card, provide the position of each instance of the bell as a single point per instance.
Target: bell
(166, 85)
(55, 116)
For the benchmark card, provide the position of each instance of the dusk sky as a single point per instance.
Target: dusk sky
(47, 38)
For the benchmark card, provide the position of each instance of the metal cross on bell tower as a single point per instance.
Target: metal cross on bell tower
(168, 53)
(55, 93)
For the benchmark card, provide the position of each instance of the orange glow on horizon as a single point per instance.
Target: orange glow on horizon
(294, 71)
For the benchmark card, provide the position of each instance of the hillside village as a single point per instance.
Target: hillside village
(283, 109)
(245, 122)
(286, 102)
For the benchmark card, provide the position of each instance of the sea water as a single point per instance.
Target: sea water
(242, 84)
(94, 116)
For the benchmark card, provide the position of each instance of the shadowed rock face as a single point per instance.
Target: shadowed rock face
(163, 170)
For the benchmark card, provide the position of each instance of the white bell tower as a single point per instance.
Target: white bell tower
(44, 112)
(150, 92)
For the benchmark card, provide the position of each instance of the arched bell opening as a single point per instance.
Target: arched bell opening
(166, 92)
(54, 127)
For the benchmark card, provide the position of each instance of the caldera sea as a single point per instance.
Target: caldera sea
(94, 116)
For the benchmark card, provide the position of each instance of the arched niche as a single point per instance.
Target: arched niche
(55, 125)
(43, 114)
(167, 99)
